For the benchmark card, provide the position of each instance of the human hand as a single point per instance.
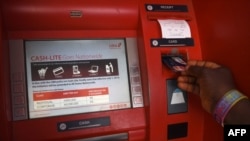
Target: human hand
(208, 80)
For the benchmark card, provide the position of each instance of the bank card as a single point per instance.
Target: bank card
(176, 63)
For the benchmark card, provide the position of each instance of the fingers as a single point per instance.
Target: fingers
(211, 65)
(188, 84)
(189, 87)
(206, 64)
(196, 68)
(190, 80)
(187, 79)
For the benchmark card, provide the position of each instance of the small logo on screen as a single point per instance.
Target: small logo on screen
(115, 45)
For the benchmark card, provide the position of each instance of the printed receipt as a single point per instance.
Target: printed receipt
(174, 28)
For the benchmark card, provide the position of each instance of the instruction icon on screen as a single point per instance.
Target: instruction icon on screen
(94, 69)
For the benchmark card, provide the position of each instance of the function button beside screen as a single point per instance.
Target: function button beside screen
(19, 100)
(18, 88)
(17, 76)
(137, 100)
(19, 111)
(135, 79)
(134, 70)
(136, 89)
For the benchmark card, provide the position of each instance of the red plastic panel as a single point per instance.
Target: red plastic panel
(225, 36)
(158, 119)
(224, 33)
(46, 129)
(70, 15)
(36, 20)
(137, 135)
(5, 109)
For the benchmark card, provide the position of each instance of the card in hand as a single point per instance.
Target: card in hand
(175, 62)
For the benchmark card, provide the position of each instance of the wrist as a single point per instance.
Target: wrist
(224, 105)
(239, 114)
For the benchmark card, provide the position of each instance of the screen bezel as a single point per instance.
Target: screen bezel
(133, 66)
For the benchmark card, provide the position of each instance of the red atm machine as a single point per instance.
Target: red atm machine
(101, 70)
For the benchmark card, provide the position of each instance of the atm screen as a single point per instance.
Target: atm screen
(76, 76)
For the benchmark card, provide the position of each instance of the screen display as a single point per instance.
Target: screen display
(76, 76)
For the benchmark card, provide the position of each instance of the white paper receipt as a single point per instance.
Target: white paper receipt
(174, 28)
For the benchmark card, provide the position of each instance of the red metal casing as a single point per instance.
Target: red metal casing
(38, 20)
(224, 36)
(158, 118)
